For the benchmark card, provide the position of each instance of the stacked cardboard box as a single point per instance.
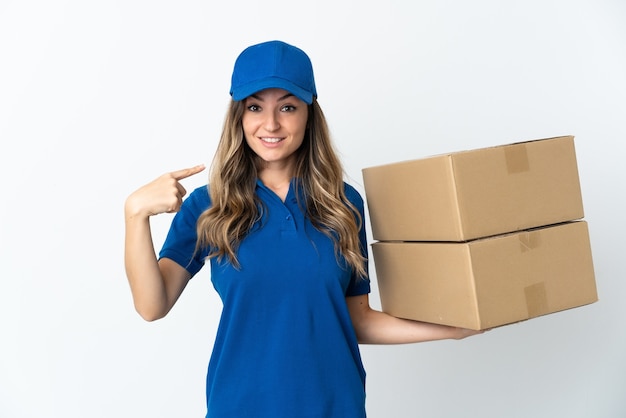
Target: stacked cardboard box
(481, 238)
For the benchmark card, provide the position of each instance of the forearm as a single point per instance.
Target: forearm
(155, 285)
(380, 328)
(142, 269)
(376, 327)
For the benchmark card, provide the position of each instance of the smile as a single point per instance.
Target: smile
(271, 140)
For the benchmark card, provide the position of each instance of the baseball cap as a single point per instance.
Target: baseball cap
(273, 64)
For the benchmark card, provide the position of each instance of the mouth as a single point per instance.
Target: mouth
(270, 140)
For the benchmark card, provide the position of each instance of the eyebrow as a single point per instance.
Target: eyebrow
(279, 99)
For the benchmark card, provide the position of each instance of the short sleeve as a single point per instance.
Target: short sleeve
(359, 285)
(180, 243)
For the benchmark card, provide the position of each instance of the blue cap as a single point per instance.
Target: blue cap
(273, 64)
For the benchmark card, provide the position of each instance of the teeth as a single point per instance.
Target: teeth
(271, 140)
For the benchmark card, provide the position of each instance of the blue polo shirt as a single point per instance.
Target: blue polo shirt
(285, 345)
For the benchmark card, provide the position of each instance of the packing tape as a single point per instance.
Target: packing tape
(536, 300)
(529, 240)
(516, 158)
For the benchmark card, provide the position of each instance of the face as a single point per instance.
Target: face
(274, 123)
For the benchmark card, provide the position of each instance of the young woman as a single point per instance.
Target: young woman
(286, 243)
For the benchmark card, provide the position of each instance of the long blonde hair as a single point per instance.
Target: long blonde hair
(235, 207)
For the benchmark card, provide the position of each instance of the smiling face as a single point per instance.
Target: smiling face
(274, 123)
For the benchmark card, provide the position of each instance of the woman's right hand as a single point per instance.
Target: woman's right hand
(162, 195)
(155, 285)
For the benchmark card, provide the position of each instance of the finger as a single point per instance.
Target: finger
(187, 172)
(176, 204)
(175, 208)
(181, 190)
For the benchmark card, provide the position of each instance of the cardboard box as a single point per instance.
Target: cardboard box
(472, 194)
(487, 282)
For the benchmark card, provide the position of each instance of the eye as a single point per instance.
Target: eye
(287, 108)
(254, 108)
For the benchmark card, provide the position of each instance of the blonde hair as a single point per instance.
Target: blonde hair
(235, 207)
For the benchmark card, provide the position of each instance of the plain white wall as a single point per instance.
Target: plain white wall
(97, 98)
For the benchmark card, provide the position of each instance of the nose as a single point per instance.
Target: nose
(271, 122)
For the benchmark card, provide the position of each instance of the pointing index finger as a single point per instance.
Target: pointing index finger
(187, 172)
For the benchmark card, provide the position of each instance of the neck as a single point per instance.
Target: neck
(276, 179)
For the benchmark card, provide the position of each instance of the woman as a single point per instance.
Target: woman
(287, 247)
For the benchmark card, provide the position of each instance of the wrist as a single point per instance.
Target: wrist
(134, 212)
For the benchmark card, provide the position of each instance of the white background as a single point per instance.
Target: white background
(100, 97)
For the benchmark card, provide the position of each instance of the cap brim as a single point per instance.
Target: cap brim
(249, 89)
